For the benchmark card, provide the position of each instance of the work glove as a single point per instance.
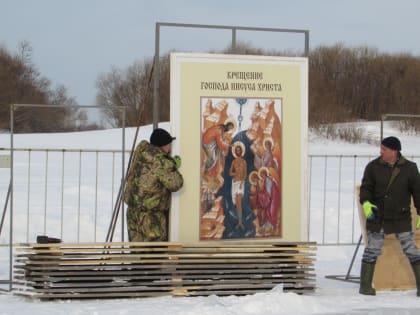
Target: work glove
(368, 209)
(177, 160)
(418, 223)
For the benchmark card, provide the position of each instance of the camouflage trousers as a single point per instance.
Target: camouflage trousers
(376, 242)
(147, 226)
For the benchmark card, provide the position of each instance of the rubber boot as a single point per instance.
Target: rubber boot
(366, 277)
(416, 270)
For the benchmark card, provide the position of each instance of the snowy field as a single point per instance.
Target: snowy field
(330, 297)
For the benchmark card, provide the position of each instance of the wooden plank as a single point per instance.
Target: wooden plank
(152, 269)
(164, 286)
(115, 256)
(149, 283)
(158, 261)
(161, 275)
(184, 272)
(131, 267)
(222, 244)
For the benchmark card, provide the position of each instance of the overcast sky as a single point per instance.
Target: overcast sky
(74, 41)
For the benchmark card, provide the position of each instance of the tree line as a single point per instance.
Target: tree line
(22, 83)
(345, 84)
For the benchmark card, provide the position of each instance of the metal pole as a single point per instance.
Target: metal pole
(156, 78)
(12, 108)
(354, 256)
(383, 117)
(233, 39)
(324, 199)
(339, 199)
(28, 196)
(45, 192)
(123, 177)
(309, 197)
(5, 208)
(62, 196)
(306, 43)
(96, 194)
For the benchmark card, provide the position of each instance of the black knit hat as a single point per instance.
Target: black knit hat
(392, 143)
(160, 137)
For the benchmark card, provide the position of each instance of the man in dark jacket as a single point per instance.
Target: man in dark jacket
(152, 177)
(389, 182)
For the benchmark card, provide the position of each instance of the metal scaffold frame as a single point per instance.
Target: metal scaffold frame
(233, 29)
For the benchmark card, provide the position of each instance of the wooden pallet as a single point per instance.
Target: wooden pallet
(106, 270)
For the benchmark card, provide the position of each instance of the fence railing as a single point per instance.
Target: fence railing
(66, 193)
(71, 194)
(332, 197)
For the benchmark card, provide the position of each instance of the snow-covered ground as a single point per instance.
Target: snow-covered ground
(330, 297)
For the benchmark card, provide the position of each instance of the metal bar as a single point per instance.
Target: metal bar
(306, 43)
(324, 201)
(156, 77)
(12, 109)
(341, 155)
(354, 256)
(62, 196)
(383, 117)
(96, 198)
(127, 151)
(29, 195)
(354, 198)
(114, 217)
(65, 106)
(46, 192)
(339, 200)
(309, 196)
(60, 150)
(5, 208)
(78, 194)
(402, 115)
(242, 28)
(112, 181)
(233, 39)
(123, 178)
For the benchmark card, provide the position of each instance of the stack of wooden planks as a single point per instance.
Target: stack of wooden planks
(108, 270)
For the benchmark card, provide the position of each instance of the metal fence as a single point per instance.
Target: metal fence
(65, 193)
(71, 194)
(333, 211)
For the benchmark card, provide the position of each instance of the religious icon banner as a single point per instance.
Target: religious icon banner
(241, 127)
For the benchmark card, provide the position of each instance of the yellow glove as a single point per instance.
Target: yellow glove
(177, 160)
(418, 223)
(368, 209)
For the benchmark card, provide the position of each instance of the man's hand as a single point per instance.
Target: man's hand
(368, 209)
(177, 160)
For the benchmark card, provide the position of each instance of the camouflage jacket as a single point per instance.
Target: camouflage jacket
(151, 179)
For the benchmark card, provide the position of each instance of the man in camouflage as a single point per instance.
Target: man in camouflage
(152, 177)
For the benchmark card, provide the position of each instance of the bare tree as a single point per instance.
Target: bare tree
(345, 84)
(129, 88)
(21, 83)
